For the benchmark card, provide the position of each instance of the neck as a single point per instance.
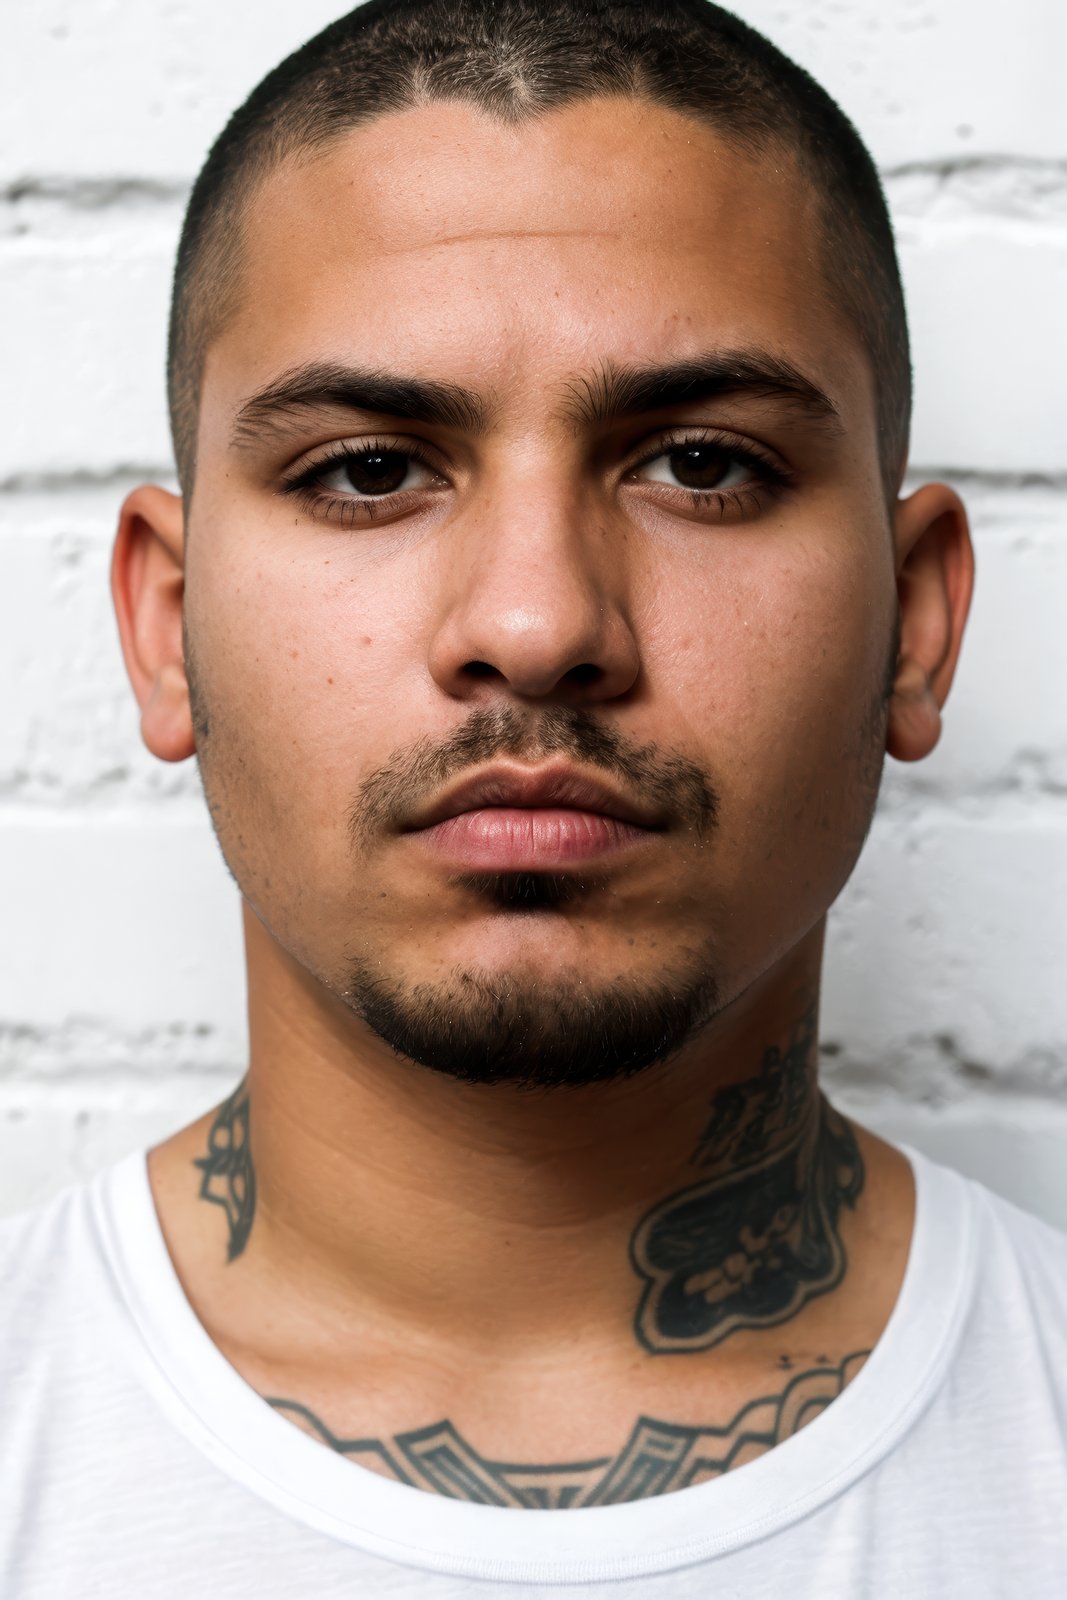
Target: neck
(696, 1200)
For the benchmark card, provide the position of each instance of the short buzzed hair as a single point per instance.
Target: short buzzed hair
(517, 59)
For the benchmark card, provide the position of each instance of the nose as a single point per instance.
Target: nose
(534, 600)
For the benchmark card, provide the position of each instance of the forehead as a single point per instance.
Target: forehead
(441, 242)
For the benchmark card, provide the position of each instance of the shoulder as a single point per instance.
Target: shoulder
(1030, 1252)
(28, 1237)
(49, 1257)
(1012, 1270)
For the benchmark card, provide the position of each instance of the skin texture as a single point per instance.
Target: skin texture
(475, 1244)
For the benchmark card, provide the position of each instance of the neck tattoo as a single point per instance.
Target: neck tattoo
(746, 1246)
(750, 1247)
(657, 1458)
(228, 1178)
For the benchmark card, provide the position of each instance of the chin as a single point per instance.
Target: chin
(532, 1023)
(546, 946)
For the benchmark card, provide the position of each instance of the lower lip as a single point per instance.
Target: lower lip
(505, 838)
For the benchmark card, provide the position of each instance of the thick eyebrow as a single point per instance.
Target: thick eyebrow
(613, 392)
(325, 386)
(608, 394)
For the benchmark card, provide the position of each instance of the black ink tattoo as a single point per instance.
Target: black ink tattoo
(228, 1176)
(750, 1248)
(658, 1457)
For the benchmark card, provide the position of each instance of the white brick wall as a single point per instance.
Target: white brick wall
(121, 987)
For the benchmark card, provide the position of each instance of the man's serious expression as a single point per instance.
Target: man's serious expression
(540, 589)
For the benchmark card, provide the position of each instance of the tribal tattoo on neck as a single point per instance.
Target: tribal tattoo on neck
(747, 1247)
(228, 1178)
(657, 1458)
(750, 1246)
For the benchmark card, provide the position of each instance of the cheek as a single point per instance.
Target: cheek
(776, 662)
(302, 663)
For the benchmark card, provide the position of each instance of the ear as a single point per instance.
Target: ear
(147, 587)
(935, 576)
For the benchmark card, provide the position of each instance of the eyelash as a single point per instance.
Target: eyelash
(773, 477)
(345, 509)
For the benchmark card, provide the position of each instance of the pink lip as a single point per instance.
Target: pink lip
(511, 839)
(514, 817)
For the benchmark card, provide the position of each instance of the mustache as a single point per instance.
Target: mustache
(388, 797)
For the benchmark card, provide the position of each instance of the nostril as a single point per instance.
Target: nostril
(586, 672)
(481, 669)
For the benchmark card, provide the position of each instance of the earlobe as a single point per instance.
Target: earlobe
(147, 587)
(914, 724)
(935, 577)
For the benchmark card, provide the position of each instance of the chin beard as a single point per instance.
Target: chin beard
(491, 1029)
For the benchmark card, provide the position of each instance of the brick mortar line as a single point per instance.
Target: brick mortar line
(981, 479)
(95, 194)
(991, 1093)
(87, 480)
(948, 167)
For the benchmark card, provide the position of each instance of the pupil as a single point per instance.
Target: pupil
(698, 466)
(380, 473)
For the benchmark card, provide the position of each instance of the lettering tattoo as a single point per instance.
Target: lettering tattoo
(228, 1178)
(657, 1458)
(751, 1246)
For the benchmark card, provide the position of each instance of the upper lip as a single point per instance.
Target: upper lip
(531, 787)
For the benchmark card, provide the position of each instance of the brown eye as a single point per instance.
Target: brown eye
(369, 474)
(377, 472)
(698, 466)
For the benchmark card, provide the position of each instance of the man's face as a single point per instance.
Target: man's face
(558, 578)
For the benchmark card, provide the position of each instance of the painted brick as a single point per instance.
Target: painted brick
(1014, 1146)
(146, 87)
(985, 305)
(948, 935)
(70, 734)
(60, 1135)
(83, 322)
(931, 80)
(124, 921)
(1005, 723)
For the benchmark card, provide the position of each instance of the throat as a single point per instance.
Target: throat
(751, 1230)
(479, 1339)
